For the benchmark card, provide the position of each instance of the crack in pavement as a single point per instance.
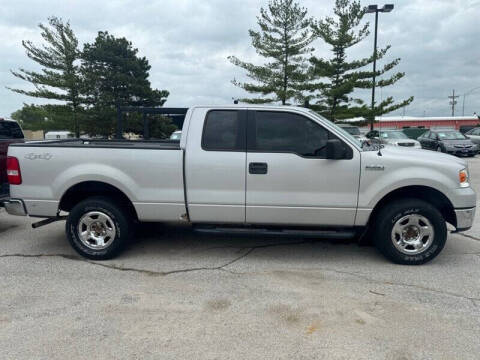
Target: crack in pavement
(392, 283)
(262, 246)
(250, 250)
(468, 236)
(142, 271)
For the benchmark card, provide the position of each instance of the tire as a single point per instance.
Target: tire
(398, 235)
(98, 216)
(439, 149)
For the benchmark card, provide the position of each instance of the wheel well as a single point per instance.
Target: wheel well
(428, 194)
(86, 189)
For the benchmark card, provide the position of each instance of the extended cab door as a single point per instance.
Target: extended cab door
(289, 179)
(215, 160)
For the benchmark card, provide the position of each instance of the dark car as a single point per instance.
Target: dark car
(448, 141)
(414, 132)
(466, 128)
(10, 132)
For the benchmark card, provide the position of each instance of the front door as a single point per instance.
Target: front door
(289, 179)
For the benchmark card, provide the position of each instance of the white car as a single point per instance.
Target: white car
(393, 137)
(176, 135)
(474, 135)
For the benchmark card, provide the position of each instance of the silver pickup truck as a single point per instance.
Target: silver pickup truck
(281, 171)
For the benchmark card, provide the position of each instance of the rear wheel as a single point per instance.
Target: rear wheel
(410, 232)
(98, 228)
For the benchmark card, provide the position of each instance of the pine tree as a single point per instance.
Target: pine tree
(284, 40)
(336, 79)
(114, 75)
(59, 78)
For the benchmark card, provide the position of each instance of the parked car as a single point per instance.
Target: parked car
(392, 137)
(55, 135)
(278, 171)
(466, 128)
(10, 132)
(474, 135)
(414, 132)
(448, 141)
(354, 131)
(176, 135)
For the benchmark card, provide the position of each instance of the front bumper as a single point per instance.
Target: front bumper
(462, 152)
(15, 207)
(465, 218)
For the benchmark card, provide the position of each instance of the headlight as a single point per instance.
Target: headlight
(464, 178)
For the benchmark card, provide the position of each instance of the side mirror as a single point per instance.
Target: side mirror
(335, 149)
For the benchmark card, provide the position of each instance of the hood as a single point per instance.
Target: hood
(420, 155)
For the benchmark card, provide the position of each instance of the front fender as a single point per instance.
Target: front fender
(373, 187)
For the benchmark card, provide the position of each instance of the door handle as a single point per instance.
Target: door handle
(258, 168)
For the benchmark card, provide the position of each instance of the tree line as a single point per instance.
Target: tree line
(293, 74)
(88, 84)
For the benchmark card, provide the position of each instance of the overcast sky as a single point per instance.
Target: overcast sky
(187, 43)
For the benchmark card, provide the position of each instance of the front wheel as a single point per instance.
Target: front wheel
(439, 149)
(98, 228)
(410, 232)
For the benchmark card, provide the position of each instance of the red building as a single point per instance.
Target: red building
(442, 122)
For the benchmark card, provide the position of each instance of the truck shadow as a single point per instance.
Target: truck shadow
(184, 242)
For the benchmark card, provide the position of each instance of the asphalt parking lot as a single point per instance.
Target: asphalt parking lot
(177, 295)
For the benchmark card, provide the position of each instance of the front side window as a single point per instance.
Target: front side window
(290, 133)
(221, 131)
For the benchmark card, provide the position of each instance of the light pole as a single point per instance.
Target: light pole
(464, 95)
(370, 10)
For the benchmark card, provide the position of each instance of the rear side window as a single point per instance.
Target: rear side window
(222, 131)
(288, 132)
(10, 130)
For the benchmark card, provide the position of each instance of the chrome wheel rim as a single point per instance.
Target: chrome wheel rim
(412, 234)
(439, 149)
(96, 230)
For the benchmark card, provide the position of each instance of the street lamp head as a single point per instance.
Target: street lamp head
(372, 9)
(387, 8)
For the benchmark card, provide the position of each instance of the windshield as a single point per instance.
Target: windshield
(353, 130)
(393, 135)
(338, 128)
(451, 135)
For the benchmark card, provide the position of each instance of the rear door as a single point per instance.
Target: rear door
(423, 139)
(289, 180)
(215, 161)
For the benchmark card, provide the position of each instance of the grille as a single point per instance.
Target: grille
(463, 146)
(406, 144)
